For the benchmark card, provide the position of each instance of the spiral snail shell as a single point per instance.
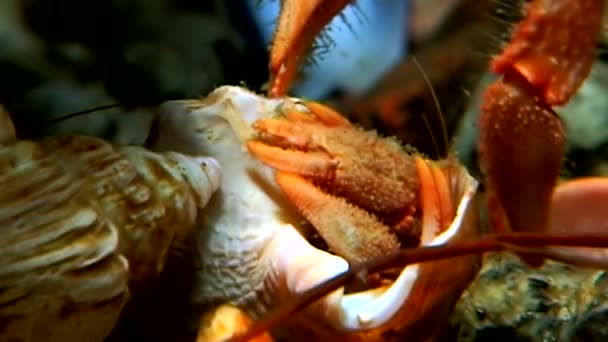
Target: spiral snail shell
(83, 224)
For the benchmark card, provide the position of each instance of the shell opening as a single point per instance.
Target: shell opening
(374, 307)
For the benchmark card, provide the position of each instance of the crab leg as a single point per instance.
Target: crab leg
(522, 139)
(299, 24)
(306, 163)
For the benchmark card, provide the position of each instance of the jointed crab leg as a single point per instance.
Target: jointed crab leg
(404, 257)
(399, 258)
(299, 24)
(521, 139)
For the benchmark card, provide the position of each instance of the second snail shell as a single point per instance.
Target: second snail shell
(83, 225)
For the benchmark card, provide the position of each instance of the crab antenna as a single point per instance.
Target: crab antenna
(427, 80)
(83, 112)
(522, 242)
(396, 259)
(557, 239)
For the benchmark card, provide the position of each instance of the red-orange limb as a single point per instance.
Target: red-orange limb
(521, 139)
(299, 24)
(553, 48)
(521, 147)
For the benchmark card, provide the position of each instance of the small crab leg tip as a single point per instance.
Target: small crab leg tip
(281, 78)
(224, 322)
(307, 163)
(327, 115)
(299, 24)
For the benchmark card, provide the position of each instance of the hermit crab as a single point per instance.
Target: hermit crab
(384, 219)
(85, 225)
(254, 252)
(334, 175)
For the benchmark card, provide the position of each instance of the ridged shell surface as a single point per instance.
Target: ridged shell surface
(82, 224)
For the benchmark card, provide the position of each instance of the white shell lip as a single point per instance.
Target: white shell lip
(295, 265)
(375, 307)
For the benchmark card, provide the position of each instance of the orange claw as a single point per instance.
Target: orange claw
(299, 24)
(356, 237)
(342, 179)
(521, 139)
(374, 173)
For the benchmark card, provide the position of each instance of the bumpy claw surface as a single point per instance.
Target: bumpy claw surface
(349, 231)
(374, 173)
(253, 254)
(326, 160)
(521, 145)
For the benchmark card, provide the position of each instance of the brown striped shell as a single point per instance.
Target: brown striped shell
(82, 224)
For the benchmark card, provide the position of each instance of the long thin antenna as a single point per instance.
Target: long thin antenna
(430, 129)
(82, 112)
(436, 100)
